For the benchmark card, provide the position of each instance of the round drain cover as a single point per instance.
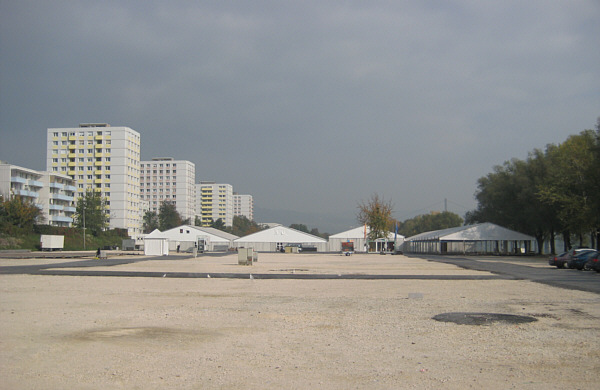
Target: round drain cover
(462, 318)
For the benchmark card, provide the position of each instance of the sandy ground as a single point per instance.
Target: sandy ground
(59, 332)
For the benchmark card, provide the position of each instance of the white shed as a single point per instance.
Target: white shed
(155, 244)
(358, 237)
(278, 237)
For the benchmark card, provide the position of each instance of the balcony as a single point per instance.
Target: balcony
(98, 163)
(62, 197)
(72, 155)
(97, 181)
(35, 183)
(69, 209)
(30, 194)
(55, 207)
(17, 179)
(60, 218)
(98, 138)
(72, 147)
(70, 188)
(72, 164)
(99, 154)
(98, 172)
(71, 173)
(56, 185)
(72, 138)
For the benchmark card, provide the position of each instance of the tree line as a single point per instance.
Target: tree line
(555, 191)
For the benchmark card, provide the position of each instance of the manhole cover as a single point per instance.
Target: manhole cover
(482, 318)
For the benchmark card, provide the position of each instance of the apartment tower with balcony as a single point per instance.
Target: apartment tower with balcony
(214, 201)
(52, 193)
(104, 159)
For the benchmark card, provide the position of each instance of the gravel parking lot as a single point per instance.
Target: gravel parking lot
(116, 332)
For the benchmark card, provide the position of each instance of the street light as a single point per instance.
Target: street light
(84, 226)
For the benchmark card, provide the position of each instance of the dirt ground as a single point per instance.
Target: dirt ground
(82, 332)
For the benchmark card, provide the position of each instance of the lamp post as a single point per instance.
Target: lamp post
(83, 226)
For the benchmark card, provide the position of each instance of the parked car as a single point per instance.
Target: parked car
(580, 260)
(594, 262)
(560, 261)
(556, 259)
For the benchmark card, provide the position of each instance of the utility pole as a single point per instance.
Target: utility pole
(84, 226)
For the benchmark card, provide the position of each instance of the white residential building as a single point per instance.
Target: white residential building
(52, 193)
(105, 159)
(214, 201)
(243, 205)
(166, 179)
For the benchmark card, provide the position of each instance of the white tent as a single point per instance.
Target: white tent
(357, 236)
(187, 236)
(276, 238)
(483, 238)
(155, 244)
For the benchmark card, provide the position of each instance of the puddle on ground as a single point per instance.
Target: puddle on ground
(464, 318)
(140, 333)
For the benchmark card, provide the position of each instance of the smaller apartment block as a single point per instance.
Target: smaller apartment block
(52, 193)
(166, 179)
(243, 205)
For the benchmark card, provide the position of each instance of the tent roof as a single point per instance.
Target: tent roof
(216, 232)
(479, 232)
(191, 233)
(358, 233)
(154, 234)
(281, 234)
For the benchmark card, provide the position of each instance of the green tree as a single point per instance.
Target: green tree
(509, 197)
(168, 217)
(218, 224)
(242, 226)
(151, 221)
(429, 222)
(91, 212)
(571, 185)
(18, 215)
(553, 191)
(299, 226)
(376, 213)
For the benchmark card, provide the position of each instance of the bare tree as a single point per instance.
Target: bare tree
(376, 213)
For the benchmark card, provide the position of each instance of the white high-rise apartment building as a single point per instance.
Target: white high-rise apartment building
(166, 179)
(105, 159)
(214, 201)
(52, 193)
(243, 205)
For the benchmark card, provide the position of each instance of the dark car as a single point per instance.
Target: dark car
(557, 259)
(560, 261)
(594, 262)
(580, 260)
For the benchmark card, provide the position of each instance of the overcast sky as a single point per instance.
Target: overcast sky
(310, 106)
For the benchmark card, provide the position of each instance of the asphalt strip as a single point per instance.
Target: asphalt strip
(195, 275)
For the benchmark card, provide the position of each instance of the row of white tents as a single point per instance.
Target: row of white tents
(185, 238)
(480, 238)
